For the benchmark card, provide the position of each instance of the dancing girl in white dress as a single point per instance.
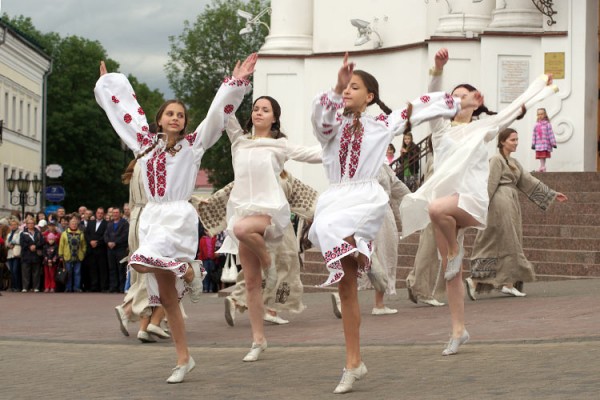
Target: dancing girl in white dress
(350, 212)
(168, 233)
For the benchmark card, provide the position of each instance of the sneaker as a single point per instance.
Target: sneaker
(432, 302)
(36, 290)
(275, 319)
(383, 311)
(180, 371)
(255, 351)
(145, 337)
(195, 286)
(24, 291)
(123, 320)
(348, 378)
(229, 311)
(512, 291)
(157, 331)
(337, 305)
(164, 325)
(455, 343)
(470, 288)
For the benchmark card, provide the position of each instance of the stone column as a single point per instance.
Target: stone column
(291, 28)
(516, 15)
(465, 18)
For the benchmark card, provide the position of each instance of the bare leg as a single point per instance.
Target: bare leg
(447, 218)
(144, 321)
(379, 299)
(348, 289)
(542, 165)
(170, 302)
(158, 314)
(253, 279)
(250, 231)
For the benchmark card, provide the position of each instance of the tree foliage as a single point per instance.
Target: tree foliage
(200, 57)
(79, 135)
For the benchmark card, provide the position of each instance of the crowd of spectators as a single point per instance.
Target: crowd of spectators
(72, 252)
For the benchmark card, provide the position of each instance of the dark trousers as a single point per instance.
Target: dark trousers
(116, 270)
(14, 265)
(28, 271)
(98, 269)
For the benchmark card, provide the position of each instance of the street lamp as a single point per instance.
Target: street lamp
(23, 184)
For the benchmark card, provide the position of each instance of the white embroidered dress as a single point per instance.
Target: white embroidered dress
(355, 203)
(168, 231)
(461, 161)
(257, 163)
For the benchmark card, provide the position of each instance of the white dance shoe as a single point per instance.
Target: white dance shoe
(348, 378)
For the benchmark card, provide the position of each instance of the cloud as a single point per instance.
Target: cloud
(133, 32)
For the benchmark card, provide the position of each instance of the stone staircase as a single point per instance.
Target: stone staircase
(562, 242)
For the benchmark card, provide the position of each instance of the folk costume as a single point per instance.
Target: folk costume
(168, 232)
(461, 161)
(497, 257)
(353, 147)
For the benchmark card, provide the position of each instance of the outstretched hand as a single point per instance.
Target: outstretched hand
(441, 58)
(245, 69)
(344, 75)
(550, 79)
(472, 100)
(561, 197)
(103, 70)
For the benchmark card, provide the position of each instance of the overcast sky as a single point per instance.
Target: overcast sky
(134, 32)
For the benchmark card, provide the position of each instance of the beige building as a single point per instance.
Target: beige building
(499, 46)
(24, 68)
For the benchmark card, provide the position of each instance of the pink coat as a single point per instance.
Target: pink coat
(543, 136)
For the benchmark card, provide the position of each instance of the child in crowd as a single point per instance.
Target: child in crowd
(543, 140)
(51, 259)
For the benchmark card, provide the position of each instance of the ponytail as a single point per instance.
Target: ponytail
(383, 107)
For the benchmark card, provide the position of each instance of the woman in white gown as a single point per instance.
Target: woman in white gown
(455, 197)
(258, 212)
(350, 212)
(168, 233)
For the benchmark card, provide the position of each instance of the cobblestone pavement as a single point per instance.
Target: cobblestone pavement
(543, 346)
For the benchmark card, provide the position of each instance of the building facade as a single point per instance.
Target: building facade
(24, 68)
(498, 46)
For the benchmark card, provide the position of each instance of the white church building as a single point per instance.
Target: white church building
(498, 46)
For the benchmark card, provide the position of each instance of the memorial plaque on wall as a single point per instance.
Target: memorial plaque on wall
(514, 78)
(554, 63)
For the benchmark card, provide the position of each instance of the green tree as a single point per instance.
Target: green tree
(79, 136)
(200, 57)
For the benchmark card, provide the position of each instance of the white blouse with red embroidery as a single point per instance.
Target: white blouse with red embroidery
(166, 177)
(355, 203)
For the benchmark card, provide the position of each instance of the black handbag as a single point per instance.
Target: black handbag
(61, 275)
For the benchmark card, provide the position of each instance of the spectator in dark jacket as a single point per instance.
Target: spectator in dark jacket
(31, 252)
(116, 236)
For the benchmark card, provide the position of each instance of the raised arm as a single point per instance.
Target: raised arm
(326, 115)
(307, 154)
(226, 102)
(116, 97)
(438, 125)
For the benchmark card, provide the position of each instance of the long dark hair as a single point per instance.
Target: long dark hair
(275, 126)
(502, 137)
(154, 128)
(482, 108)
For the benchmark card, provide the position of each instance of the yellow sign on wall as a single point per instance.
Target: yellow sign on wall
(554, 63)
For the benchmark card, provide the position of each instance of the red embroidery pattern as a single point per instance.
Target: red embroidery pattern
(344, 142)
(156, 262)
(449, 100)
(231, 81)
(329, 104)
(383, 118)
(145, 128)
(154, 300)
(327, 129)
(336, 253)
(140, 111)
(134, 95)
(161, 174)
(140, 137)
(425, 99)
(191, 138)
(127, 118)
(150, 174)
(115, 100)
(228, 109)
(404, 114)
(338, 117)
(355, 154)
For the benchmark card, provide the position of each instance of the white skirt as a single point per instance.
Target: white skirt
(168, 236)
(347, 209)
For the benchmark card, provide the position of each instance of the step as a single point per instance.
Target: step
(562, 219)
(572, 231)
(562, 208)
(561, 243)
(566, 269)
(553, 178)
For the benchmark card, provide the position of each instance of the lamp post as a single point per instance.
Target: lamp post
(23, 184)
